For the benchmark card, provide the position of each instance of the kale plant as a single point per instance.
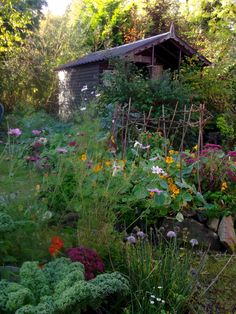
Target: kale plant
(57, 287)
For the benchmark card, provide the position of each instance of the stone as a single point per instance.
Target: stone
(226, 233)
(213, 224)
(192, 229)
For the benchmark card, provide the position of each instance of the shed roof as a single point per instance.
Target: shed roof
(133, 47)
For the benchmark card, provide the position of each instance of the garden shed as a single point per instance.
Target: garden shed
(79, 79)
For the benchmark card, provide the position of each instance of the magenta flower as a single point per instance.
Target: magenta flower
(212, 147)
(62, 150)
(15, 132)
(155, 191)
(171, 234)
(36, 132)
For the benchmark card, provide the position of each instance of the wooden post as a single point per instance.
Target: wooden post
(179, 61)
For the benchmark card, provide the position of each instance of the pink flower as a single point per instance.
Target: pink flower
(36, 132)
(62, 150)
(155, 191)
(15, 132)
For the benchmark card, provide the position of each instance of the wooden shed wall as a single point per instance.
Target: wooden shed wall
(76, 86)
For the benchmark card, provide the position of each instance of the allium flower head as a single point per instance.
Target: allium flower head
(193, 242)
(131, 239)
(171, 234)
(15, 132)
(141, 234)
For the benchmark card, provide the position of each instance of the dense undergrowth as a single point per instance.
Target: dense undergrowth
(62, 188)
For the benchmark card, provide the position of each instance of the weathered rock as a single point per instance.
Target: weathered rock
(226, 233)
(188, 212)
(213, 224)
(192, 229)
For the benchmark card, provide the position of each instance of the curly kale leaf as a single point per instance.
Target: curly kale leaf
(6, 223)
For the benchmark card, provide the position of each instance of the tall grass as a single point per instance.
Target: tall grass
(160, 278)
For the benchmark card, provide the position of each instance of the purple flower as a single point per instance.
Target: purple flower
(62, 150)
(155, 191)
(36, 132)
(193, 242)
(131, 239)
(15, 132)
(141, 234)
(171, 234)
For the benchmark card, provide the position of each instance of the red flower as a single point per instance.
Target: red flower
(53, 250)
(73, 143)
(57, 243)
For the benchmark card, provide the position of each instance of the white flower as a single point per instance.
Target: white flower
(153, 296)
(163, 301)
(158, 299)
(158, 170)
(137, 144)
(42, 140)
(152, 302)
(82, 108)
(159, 287)
(115, 168)
(97, 95)
(84, 88)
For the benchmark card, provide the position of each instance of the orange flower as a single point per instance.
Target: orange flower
(57, 242)
(169, 160)
(151, 194)
(97, 168)
(84, 157)
(53, 250)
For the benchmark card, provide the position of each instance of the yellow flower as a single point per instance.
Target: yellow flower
(170, 180)
(37, 188)
(178, 165)
(84, 157)
(169, 160)
(171, 152)
(97, 168)
(224, 186)
(108, 163)
(195, 147)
